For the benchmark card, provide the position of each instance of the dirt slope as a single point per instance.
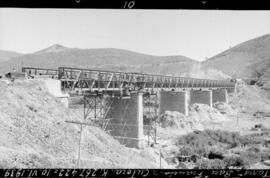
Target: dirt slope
(34, 134)
(245, 59)
(250, 99)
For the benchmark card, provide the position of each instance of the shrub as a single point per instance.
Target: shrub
(212, 137)
(217, 164)
(215, 154)
(253, 149)
(212, 144)
(202, 164)
(186, 151)
(194, 158)
(210, 164)
(200, 151)
(251, 157)
(265, 155)
(249, 140)
(235, 161)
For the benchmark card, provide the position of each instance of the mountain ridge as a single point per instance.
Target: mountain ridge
(101, 58)
(6, 55)
(249, 59)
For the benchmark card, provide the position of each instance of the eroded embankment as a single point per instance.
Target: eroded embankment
(34, 134)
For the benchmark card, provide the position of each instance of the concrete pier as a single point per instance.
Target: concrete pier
(201, 97)
(219, 95)
(126, 120)
(54, 88)
(174, 101)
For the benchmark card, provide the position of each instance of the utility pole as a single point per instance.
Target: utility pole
(159, 158)
(79, 149)
(239, 103)
(237, 119)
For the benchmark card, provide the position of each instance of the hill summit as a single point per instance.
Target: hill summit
(53, 48)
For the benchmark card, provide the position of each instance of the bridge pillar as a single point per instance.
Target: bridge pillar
(54, 88)
(201, 97)
(174, 101)
(126, 120)
(219, 95)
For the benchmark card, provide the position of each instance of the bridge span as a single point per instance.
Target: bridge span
(99, 80)
(127, 105)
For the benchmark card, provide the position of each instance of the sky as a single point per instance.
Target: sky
(196, 34)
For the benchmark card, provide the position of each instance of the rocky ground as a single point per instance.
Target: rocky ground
(247, 107)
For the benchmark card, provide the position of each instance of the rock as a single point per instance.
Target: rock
(267, 162)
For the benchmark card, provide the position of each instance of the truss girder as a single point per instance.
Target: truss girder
(106, 80)
(88, 79)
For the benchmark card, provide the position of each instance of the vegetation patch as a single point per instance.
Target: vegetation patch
(216, 149)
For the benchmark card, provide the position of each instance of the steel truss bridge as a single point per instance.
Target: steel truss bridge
(101, 80)
(98, 88)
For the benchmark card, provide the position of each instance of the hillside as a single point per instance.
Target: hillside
(34, 134)
(6, 55)
(245, 60)
(104, 58)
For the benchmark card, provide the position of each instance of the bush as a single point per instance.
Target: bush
(210, 164)
(186, 151)
(200, 151)
(215, 154)
(202, 164)
(249, 140)
(251, 157)
(211, 144)
(236, 161)
(254, 149)
(213, 137)
(217, 164)
(265, 155)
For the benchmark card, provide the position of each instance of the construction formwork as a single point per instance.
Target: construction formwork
(150, 116)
